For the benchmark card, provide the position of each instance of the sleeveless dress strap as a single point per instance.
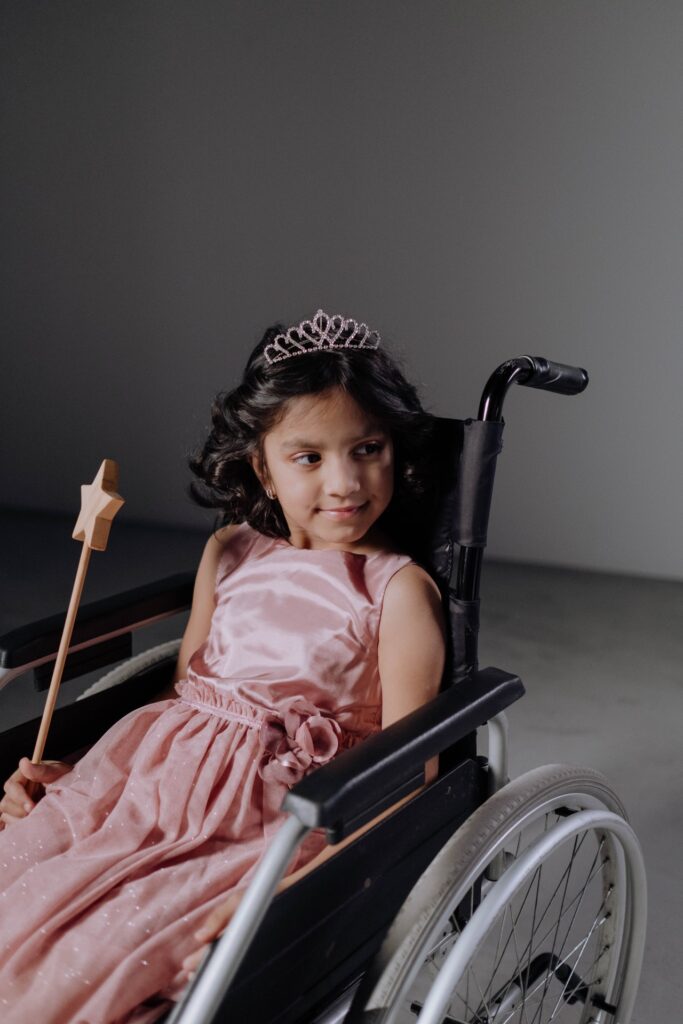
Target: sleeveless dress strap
(235, 550)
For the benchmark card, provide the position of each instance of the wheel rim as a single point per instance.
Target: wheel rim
(543, 955)
(571, 913)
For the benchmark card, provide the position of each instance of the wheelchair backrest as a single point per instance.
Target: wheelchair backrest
(450, 529)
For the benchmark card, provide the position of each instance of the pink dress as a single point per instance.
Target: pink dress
(106, 880)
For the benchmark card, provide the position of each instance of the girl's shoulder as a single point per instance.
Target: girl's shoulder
(223, 536)
(230, 546)
(411, 586)
(412, 611)
(397, 580)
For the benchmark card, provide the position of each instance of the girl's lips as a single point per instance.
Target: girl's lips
(342, 513)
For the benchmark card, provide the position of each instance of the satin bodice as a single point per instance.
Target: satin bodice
(292, 622)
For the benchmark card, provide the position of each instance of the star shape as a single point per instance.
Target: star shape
(99, 505)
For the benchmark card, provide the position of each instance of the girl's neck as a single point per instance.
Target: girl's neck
(372, 543)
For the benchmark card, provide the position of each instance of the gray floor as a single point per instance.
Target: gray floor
(600, 656)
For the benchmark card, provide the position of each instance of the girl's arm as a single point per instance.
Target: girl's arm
(411, 653)
(203, 605)
(16, 803)
(412, 647)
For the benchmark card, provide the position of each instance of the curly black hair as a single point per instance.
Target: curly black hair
(242, 417)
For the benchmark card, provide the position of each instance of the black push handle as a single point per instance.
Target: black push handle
(533, 372)
(549, 376)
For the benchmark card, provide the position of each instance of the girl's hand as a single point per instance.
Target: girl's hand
(210, 929)
(16, 803)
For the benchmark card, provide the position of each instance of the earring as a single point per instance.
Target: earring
(269, 493)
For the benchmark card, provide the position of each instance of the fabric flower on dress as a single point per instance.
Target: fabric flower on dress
(300, 736)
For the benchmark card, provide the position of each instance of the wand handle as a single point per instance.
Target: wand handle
(53, 692)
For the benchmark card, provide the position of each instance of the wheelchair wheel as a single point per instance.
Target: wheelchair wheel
(138, 663)
(533, 912)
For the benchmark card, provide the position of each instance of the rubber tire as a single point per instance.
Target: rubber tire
(466, 855)
(138, 663)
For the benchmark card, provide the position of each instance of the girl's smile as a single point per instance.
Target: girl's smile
(342, 513)
(331, 467)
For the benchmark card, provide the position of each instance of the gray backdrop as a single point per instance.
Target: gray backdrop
(476, 180)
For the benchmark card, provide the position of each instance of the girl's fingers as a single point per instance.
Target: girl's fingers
(45, 772)
(9, 819)
(180, 980)
(16, 793)
(193, 960)
(210, 929)
(214, 923)
(219, 917)
(13, 811)
(12, 807)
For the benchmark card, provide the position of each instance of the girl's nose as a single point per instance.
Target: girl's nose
(342, 478)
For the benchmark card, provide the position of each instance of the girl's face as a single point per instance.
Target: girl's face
(331, 467)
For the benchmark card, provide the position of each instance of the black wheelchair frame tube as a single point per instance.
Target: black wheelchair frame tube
(530, 371)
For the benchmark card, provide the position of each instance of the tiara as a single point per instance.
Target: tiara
(319, 333)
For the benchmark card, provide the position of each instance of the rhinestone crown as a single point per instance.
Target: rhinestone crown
(321, 332)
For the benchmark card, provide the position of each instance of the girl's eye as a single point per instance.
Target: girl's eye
(306, 455)
(371, 448)
(311, 458)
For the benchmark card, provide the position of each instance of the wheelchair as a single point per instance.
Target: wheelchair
(478, 901)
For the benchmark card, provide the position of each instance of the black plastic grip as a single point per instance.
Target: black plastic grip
(549, 376)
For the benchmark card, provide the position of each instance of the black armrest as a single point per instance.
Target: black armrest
(112, 616)
(363, 781)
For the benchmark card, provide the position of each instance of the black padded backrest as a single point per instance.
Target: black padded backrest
(455, 516)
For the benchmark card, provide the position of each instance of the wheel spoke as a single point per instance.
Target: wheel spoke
(564, 877)
(483, 1003)
(567, 910)
(542, 982)
(528, 948)
(598, 921)
(496, 961)
(601, 908)
(467, 990)
(567, 873)
(583, 891)
(519, 843)
(535, 878)
(520, 975)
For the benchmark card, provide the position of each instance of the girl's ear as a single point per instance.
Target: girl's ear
(257, 467)
(262, 473)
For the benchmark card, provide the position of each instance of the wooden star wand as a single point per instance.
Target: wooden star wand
(99, 505)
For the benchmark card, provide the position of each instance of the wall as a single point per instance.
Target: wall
(476, 180)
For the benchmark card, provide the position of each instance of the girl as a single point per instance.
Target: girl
(310, 629)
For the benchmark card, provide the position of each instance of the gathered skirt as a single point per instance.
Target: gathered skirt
(104, 883)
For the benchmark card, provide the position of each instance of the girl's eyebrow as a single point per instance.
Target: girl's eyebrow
(300, 442)
(296, 442)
